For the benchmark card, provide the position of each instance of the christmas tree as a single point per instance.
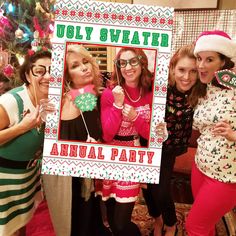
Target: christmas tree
(24, 24)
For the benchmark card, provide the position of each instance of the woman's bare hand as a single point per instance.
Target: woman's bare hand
(129, 112)
(30, 120)
(161, 130)
(224, 129)
(91, 140)
(46, 107)
(119, 96)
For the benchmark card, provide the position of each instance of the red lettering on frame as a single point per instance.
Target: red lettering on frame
(141, 154)
(73, 150)
(150, 156)
(132, 156)
(92, 154)
(123, 155)
(82, 151)
(54, 151)
(64, 149)
(114, 153)
(100, 156)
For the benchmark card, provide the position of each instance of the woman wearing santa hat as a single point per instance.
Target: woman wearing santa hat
(213, 177)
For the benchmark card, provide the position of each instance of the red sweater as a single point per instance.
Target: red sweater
(114, 123)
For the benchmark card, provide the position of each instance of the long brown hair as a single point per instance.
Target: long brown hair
(30, 60)
(198, 89)
(146, 78)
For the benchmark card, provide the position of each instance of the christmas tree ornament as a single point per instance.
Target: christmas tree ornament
(3, 58)
(35, 42)
(45, 8)
(20, 58)
(19, 33)
(8, 70)
(17, 26)
(27, 34)
(38, 7)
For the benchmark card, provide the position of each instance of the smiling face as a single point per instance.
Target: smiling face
(39, 81)
(131, 73)
(185, 74)
(208, 63)
(80, 70)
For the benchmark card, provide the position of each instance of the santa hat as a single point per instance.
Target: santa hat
(216, 41)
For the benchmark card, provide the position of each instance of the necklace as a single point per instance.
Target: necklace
(131, 98)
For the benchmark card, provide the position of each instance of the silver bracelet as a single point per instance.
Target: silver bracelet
(118, 107)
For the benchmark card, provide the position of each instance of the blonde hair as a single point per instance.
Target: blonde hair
(77, 48)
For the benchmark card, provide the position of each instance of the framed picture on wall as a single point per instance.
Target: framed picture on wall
(182, 4)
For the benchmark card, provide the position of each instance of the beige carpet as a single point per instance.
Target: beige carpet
(145, 222)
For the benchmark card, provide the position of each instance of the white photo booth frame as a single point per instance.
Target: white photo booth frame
(92, 22)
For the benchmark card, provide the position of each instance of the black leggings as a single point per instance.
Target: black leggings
(158, 196)
(86, 215)
(119, 218)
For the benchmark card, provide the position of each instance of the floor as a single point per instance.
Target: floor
(181, 190)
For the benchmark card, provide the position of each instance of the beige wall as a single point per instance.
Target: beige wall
(226, 4)
(222, 4)
(121, 1)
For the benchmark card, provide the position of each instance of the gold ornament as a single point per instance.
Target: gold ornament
(19, 33)
(39, 7)
(3, 59)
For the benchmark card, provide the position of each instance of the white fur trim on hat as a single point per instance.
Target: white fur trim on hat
(216, 43)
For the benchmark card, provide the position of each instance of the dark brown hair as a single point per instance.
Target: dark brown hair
(228, 63)
(30, 59)
(200, 90)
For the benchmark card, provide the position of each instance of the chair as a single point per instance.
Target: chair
(181, 184)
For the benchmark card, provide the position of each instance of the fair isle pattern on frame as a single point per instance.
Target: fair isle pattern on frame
(110, 24)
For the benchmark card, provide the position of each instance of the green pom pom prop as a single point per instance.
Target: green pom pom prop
(86, 102)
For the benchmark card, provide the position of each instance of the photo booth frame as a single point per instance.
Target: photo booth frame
(110, 24)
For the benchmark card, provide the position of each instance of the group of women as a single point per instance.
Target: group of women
(122, 117)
